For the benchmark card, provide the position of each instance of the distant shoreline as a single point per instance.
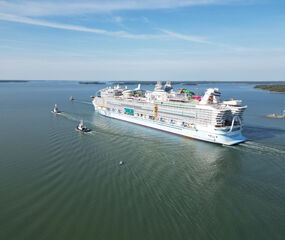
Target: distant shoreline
(136, 82)
(276, 88)
(179, 82)
(14, 81)
(91, 82)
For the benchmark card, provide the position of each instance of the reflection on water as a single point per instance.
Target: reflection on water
(255, 133)
(62, 184)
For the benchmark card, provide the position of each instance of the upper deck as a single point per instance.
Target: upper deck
(182, 105)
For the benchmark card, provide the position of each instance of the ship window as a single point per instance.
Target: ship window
(228, 123)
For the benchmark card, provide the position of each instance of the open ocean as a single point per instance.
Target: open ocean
(57, 183)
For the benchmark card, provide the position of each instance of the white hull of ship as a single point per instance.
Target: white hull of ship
(199, 133)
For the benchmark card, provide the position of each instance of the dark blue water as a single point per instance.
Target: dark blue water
(56, 183)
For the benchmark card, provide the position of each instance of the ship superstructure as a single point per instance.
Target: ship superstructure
(181, 112)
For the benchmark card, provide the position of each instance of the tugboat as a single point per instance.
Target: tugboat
(55, 109)
(82, 128)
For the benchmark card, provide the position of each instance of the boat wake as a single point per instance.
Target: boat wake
(249, 146)
(97, 130)
(69, 117)
(255, 147)
(83, 102)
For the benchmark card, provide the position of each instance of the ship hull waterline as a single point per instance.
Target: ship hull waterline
(201, 135)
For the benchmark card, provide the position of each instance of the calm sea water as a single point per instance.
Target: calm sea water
(56, 183)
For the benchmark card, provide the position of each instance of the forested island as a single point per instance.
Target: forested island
(278, 88)
(151, 82)
(13, 81)
(91, 82)
(135, 82)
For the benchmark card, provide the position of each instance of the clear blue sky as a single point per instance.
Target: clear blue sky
(142, 40)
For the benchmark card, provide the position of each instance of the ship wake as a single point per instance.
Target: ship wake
(260, 148)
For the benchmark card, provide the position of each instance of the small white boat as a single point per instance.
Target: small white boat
(82, 128)
(55, 109)
(71, 98)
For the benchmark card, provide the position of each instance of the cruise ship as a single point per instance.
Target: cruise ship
(182, 112)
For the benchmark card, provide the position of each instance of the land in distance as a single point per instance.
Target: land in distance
(13, 81)
(278, 88)
(180, 82)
